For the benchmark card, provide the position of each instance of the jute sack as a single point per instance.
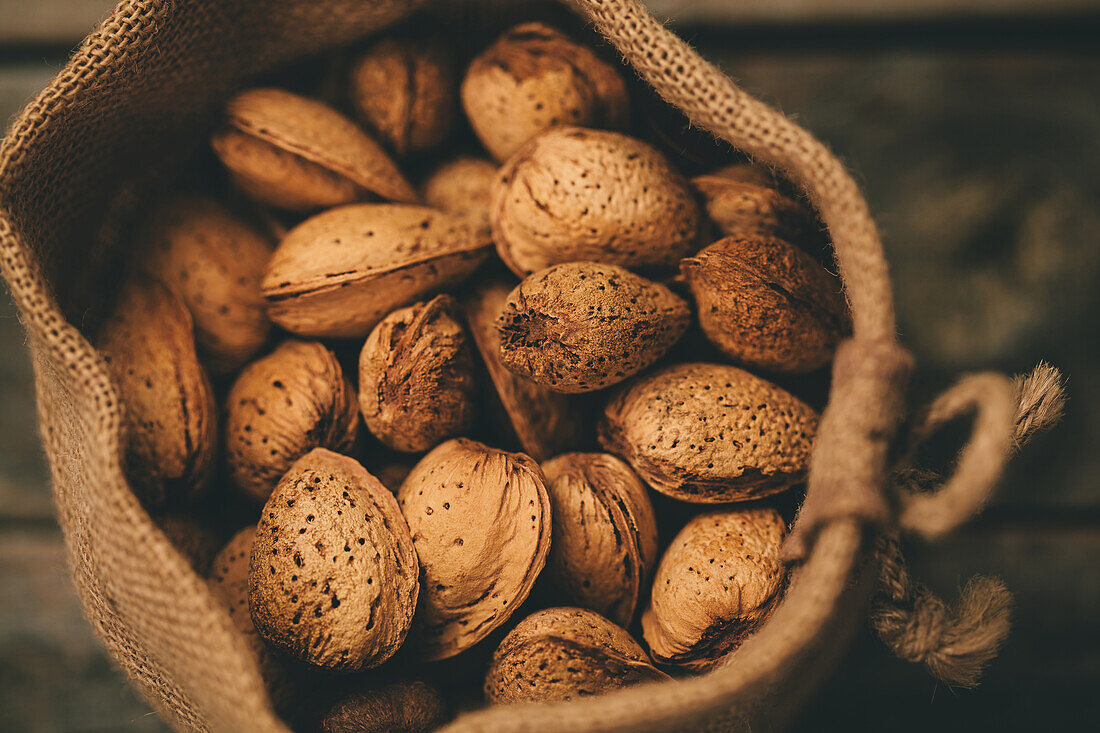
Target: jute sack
(135, 99)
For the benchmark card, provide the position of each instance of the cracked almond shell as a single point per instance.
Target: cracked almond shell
(574, 194)
(480, 520)
(562, 654)
(583, 326)
(416, 377)
(333, 573)
(340, 272)
(406, 91)
(604, 541)
(533, 78)
(296, 153)
(282, 406)
(543, 422)
(710, 433)
(167, 406)
(214, 260)
(716, 584)
(767, 304)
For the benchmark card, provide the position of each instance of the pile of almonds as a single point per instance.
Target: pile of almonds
(476, 418)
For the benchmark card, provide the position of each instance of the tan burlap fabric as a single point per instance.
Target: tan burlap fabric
(135, 99)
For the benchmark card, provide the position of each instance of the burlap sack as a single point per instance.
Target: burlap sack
(135, 98)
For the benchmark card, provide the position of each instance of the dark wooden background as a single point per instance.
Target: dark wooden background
(974, 126)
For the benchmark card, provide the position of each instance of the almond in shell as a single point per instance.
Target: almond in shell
(461, 186)
(399, 707)
(741, 204)
(710, 433)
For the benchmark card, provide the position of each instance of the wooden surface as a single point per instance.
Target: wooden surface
(980, 156)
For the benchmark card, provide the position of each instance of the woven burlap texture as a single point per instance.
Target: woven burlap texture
(143, 87)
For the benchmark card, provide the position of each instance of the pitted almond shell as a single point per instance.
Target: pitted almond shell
(340, 272)
(416, 377)
(294, 152)
(406, 90)
(583, 326)
(574, 194)
(717, 583)
(534, 78)
(281, 407)
(480, 520)
(543, 422)
(168, 409)
(461, 186)
(710, 433)
(604, 541)
(767, 304)
(214, 260)
(564, 654)
(744, 209)
(399, 707)
(333, 573)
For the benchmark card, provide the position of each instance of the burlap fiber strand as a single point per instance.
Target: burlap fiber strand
(141, 90)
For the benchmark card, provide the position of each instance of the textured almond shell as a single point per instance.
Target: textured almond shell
(717, 582)
(545, 423)
(710, 433)
(317, 136)
(214, 261)
(282, 406)
(416, 377)
(333, 572)
(534, 78)
(767, 304)
(745, 209)
(169, 413)
(461, 186)
(340, 272)
(480, 519)
(407, 92)
(399, 707)
(574, 194)
(604, 541)
(583, 326)
(565, 653)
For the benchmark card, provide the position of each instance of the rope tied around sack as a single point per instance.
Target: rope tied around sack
(955, 642)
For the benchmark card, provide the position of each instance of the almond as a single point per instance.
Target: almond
(564, 654)
(717, 583)
(461, 186)
(604, 540)
(480, 520)
(710, 433)
(416, 377)
(214, 261)
(584, 326)
(281, 407)
(534, 78)
(573, 194)
(340, 272)
(168, 411)
(195, 539)
(399, 707)
(333, 574)
(767, 304)
(743, 209)
(297, 153)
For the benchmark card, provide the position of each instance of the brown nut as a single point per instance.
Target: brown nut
(710, 433)
(461, 186)
(340, 272)
(604, 542)
(296, 153)
(717, 583)
(332, 579)
(281, 407)
(573, 194)
(767, 304)
(534, 78)
(741, 206)
(406, 91)
(565, 653)
(544, 423)
(168, 409)
(214, 261)
(583, 326)
(399, 707)
(416, 377)
(480, 519)
(196, 540)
